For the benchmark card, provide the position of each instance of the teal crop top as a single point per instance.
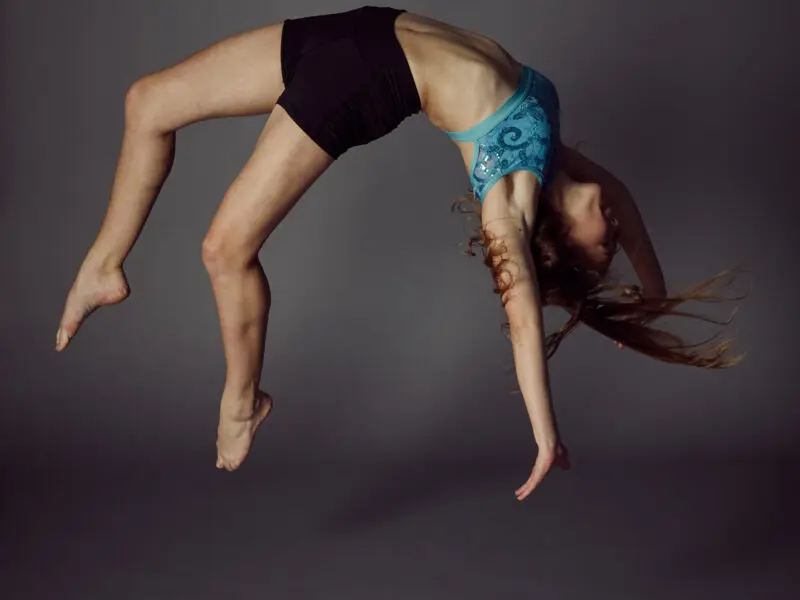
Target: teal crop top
(520, 135)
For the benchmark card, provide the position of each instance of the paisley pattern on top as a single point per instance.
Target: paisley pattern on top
(520, 135)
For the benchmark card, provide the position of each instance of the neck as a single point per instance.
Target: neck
(563, 196)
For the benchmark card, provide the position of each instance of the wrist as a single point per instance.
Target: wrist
(546, 439)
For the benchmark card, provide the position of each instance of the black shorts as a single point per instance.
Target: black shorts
(346, 76)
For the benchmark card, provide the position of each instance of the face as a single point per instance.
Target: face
(591, 226)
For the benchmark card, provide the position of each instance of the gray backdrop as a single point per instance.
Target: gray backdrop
(383, 336)
(384, 344)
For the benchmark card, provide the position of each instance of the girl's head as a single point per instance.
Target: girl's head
(588, 226)
(575, 237)
(573, 243)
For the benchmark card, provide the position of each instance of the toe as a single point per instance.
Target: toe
(70, 322)
(63, 335)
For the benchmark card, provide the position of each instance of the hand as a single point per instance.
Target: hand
(619, 344)
(548, 456)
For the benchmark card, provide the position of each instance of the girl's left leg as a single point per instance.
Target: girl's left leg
(237, 76)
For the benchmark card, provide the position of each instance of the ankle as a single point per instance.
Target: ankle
(238, 405)
(102, 262)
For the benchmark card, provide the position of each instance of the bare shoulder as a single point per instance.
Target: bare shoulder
(508, 223)
(513, 199)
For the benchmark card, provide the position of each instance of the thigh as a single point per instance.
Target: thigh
(237, 76)
(283, 166)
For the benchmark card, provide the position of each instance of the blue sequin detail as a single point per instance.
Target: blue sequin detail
(521, 135)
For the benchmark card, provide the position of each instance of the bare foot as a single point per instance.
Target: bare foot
(234, 436)
(93, 288)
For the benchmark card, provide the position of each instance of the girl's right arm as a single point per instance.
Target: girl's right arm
(504, 222)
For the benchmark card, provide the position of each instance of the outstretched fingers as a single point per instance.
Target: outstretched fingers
(545, 460)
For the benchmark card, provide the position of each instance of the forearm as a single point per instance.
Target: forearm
(635, 240)
(646, 265)
(531, 369)
(526, 322)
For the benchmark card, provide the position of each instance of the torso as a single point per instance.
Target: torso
(462, 78)
(450, 65)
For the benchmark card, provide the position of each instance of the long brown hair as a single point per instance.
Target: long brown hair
(596, 298)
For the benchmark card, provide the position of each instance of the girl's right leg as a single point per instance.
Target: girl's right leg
(238, 76)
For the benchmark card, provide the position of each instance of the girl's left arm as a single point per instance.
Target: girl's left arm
(635, 240)
(633, 235)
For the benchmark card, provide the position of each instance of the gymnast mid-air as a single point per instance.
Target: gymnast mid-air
(551, 219)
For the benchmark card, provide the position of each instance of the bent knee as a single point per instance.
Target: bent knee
(222, 254)
(149, 105)
(141, 103)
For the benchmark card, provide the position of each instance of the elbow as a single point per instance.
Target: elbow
(523, 309)
(525, 335)
(524, 321)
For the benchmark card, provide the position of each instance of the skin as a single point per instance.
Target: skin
(461, 77)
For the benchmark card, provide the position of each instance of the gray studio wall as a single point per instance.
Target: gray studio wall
(384, 339)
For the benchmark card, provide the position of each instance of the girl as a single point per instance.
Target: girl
(550, 217)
